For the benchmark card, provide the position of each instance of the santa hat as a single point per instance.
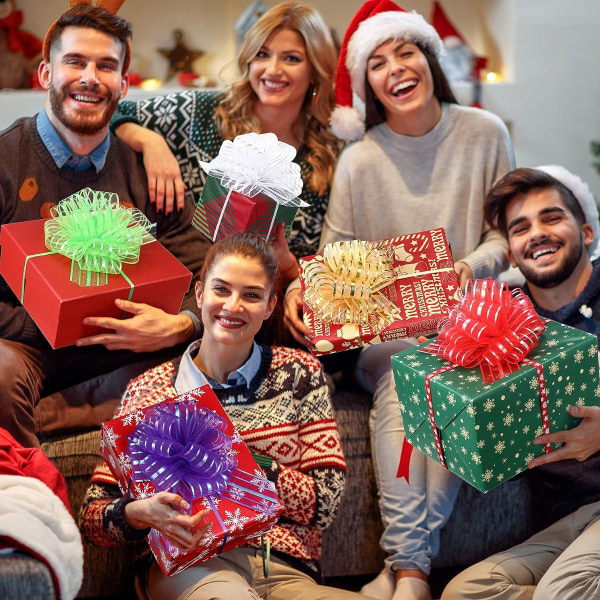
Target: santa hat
(584, 196)
(449, 34)
(112, 6)
(376, 22)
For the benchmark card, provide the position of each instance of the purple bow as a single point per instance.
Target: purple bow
(182, 448)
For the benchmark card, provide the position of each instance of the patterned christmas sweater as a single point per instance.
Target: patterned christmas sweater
(186, 120)
(284, 414)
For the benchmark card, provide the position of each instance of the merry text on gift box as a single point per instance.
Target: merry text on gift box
(519, 377)
(189, 446)
(252, 186)
(362, 293)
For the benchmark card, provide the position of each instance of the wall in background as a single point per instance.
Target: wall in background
(547, 51)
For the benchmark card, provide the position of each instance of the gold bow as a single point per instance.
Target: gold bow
(345, 286)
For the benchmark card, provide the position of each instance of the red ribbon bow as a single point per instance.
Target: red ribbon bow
(491, 327)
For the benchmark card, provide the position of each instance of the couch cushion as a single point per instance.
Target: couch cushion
(24, 577)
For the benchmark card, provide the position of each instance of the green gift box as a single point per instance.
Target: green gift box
(486, 432)
(222, 212)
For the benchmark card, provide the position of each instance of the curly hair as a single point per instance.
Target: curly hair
(236, 113)
(520, 182)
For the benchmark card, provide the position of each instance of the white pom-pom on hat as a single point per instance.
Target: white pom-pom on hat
(584, 196)
(376, 22)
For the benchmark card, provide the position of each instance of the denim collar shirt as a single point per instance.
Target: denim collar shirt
(62, 155)
(190, 377)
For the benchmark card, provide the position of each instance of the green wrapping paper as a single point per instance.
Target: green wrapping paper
(487, 431)
(222, 212)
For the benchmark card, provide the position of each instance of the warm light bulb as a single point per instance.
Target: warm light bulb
(491, 77)
(150, 84)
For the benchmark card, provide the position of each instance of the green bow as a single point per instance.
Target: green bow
(97, 234)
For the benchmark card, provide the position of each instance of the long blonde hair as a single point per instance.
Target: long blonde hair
(236, 113)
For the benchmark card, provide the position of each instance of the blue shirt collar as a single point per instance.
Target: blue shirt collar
(62, 155)
(190, 377)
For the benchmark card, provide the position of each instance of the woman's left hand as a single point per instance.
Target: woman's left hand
(464, 272)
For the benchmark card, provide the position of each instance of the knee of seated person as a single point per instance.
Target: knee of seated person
(11, 363)
(469, 584)
(567, 586)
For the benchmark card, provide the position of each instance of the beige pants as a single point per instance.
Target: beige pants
(561, 562)
(238, 575)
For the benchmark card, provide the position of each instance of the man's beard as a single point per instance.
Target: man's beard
(81, 121)
(551, 278)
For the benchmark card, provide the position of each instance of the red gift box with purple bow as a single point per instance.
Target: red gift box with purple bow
(189, 446)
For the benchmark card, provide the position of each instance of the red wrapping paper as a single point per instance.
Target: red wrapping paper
(248, 508)
(58, 305)
(421, 296)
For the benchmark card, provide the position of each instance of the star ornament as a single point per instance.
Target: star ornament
(180, 57)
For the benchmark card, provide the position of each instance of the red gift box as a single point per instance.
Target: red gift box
(221, 212)
(425, 285)
(58, 305)
(245, 507)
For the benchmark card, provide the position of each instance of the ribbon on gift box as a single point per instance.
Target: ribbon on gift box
(254, 164)
(183, 448)
(98, 234)
(491, 327)
(345, 286)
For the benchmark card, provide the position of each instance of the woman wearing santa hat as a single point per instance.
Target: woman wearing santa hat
(424, 162)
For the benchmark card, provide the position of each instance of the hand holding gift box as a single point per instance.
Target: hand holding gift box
(359, 293)
(494, 379)
(77, 263)
(188, 446)
(252, 186)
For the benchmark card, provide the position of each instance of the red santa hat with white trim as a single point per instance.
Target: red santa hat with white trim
(376, 22)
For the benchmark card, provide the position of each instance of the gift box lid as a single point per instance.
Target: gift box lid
(157, 274)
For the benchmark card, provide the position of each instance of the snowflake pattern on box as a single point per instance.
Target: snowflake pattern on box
(248, 507)
(487, 435)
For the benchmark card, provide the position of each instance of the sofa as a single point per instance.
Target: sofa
(480, 523)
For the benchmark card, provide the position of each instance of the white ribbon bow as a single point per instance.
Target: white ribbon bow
(255, 163)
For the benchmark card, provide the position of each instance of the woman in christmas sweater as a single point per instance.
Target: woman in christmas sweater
(287, 64)
(279, 402)
(424, 162)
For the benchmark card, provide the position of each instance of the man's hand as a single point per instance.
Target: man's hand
(464, 272)
(149, 329)
(293, 319)
(579, 443)
(163, 512)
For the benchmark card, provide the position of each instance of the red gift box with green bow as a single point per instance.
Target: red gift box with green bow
(77, 263)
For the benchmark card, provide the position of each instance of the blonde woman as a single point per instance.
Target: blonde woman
(287, 64)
